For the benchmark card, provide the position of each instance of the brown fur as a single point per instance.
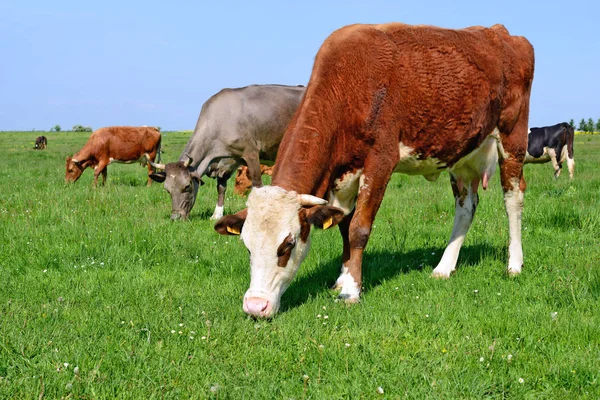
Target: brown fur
(243, 182)
(121, 143)
(438, 91)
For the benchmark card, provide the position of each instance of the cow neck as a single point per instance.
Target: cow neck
(305, 164)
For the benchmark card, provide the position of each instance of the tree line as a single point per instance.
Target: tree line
(586, 126)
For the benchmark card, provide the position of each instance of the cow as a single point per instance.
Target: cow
(41, 143)
(124, 144)
(243, 183)
(549, 142)
(236, 127)
(383, 99)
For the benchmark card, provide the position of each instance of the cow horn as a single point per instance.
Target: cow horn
(158, 166)
(187, 162)
(310, 200)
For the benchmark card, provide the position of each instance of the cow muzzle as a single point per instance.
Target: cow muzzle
(178, 215)
(258, 307)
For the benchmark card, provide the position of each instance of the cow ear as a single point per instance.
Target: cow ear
(158, 176)
(324, 217)
(231, 224)
(196, 176)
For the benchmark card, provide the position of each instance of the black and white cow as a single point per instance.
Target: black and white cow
(549, 142)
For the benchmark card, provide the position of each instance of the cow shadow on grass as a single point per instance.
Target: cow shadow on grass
(379, 267)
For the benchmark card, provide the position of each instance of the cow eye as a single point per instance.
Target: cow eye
(284, 251)
(188, 188)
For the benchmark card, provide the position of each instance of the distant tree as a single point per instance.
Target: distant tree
(598, 125)
(582, 125)
(55, 128)
(81, 128)
(572, 123)
(590, 125)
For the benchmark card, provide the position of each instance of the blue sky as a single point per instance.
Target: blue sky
(156, 62)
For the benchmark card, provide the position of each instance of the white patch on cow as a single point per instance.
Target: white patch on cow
(350, 290)
(345, 189)
(410, 163)
(571, 165)
(273, 214)
(513, 201)
(218, 214)
(483, 160)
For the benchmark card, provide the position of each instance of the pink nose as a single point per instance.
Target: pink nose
(256, 306)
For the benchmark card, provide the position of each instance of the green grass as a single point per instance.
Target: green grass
(145, 308)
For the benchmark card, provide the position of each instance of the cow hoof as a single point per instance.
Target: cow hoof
(440, 275)
(513, 272)
(348, 299)
(337, 286)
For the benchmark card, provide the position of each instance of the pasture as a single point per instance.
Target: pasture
(102, 296)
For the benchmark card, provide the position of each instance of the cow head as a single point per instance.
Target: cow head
(276, 230)
(74, 169)
(182, 182)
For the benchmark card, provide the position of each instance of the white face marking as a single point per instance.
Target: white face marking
(409, 162)
(350, 289)
(273, 214)
(345, 189)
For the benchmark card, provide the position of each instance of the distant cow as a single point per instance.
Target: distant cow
(243, 182)
(41, 143)
(552, 143)
(235, 127)
(382, 99)
(124, 144)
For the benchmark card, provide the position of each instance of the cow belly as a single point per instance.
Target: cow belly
(345, 189)
(142, 160)
(544, 158)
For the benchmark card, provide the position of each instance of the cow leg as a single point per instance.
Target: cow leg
(512, 149)
(571, 166)
(221, 188)
(100, 168)
(253, 163)
(344, 226)
(466, 200)
(370, 194)
(555, 163)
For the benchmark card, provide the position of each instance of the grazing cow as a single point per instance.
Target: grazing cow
(124, 144)
(383, 99)
(41, 143)
(548, 142)
(243, 182)
(235, 127)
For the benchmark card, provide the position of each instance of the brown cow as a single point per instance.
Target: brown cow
(243, 182)
(384, 99)
(125, 144)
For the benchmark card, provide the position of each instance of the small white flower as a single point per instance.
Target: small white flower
(45, 271)
(475, 291)
(172, 330)
(379, 390)
(66, 365)
(69, 386)
(214, 388)
(324, 308)
(122, 322)
(426, 315)
(180, 332)
(318, 315)
(76, 370)
(481, 359)
(325, 316)
(347, 344)
(509, 357)
(191, 338)
(521, 380)
(554, 315)
(305, 378)
(203, 338)
(396, 288)
(193, 333)
(417, 297)
(181, 324)
(321, 346)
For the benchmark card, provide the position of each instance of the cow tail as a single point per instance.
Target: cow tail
(570, 140)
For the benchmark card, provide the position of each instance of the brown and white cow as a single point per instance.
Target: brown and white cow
(124, 144)
(243, 181)
(41, 142)
(384, 99)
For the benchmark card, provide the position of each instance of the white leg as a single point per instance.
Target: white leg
(218, 214)
(571, 165)
(466, 200)
(552, 155)
(513, 201)
(349, 288)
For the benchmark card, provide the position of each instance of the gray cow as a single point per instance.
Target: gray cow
(235, 127)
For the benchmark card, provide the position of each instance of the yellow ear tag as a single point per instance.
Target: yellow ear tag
(233, 231)
(328, 222)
